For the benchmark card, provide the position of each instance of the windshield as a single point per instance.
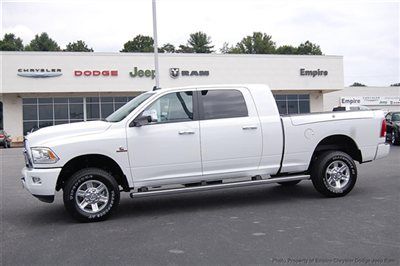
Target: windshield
(396, 117)
(125, 110)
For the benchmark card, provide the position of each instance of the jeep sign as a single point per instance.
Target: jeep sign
(142, 73)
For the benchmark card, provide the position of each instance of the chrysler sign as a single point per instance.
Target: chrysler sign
(39, 72)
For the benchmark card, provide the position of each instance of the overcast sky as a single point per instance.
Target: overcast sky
(366, 33)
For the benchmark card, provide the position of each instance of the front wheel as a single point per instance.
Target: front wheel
(91, 195)
(334, 173)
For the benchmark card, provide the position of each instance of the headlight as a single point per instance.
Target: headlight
(43, 155)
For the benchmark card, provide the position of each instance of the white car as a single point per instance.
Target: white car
(197, 138)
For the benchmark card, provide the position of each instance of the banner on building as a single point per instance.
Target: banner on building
(370, 100)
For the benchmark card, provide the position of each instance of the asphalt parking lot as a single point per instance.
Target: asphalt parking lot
(253, 225)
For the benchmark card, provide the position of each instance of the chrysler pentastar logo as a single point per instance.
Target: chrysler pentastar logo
(174, 72)
(39, 72)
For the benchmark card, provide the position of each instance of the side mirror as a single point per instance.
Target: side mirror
(141, 120)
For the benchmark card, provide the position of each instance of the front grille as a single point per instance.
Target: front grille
(28, 162)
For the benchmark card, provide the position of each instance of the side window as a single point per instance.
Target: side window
(389, 117)
(173, 107)
(218, 104)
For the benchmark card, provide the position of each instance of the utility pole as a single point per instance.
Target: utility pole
(155, 45)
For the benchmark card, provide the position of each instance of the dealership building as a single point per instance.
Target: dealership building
(40, 89)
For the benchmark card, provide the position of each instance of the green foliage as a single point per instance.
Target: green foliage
(261, 43)
(185, 49)
(198, 42)
(139, 44)
(357, 84)
(286, 49)
(42, 42)
(308, 48)
(11, 43)
(167, 48)
(78, 46)
(258, 43)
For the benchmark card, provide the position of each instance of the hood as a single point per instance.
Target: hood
(54, 133)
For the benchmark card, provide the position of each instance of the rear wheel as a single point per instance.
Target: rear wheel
(334, 173)
(91, 195)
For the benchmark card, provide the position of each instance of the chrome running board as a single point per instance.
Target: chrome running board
(218, 186)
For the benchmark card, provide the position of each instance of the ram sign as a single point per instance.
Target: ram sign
(370, 100)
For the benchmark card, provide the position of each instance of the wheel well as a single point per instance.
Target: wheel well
(339, 143)
(92, 160)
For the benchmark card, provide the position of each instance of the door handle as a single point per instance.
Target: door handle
(186, 132)
(249, 127)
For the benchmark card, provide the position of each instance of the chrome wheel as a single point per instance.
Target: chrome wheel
(337, 175)
(92, 196)
(393, 140)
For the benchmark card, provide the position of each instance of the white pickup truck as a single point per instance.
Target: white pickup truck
(197, 138)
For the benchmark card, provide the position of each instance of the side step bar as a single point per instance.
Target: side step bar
(218, 186)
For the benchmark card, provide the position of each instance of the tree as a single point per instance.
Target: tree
(139, 44)
(395, 85)
(185, 49)
(42, 42)
(78, 46)
(198, 42)
(11, 43)
(167, 48)
(357, 84)
(258, 43)
(308, 48)
(286, 49)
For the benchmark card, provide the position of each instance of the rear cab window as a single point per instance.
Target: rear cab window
(219, 104)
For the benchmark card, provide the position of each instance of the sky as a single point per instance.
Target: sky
(365, 33)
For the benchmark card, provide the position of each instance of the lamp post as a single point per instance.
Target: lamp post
(155, 45)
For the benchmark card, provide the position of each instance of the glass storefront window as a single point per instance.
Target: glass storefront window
(43, 112)
(293, 103)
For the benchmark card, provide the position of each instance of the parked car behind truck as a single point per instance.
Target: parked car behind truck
(207, 136)
(5, 139)
(393, 127)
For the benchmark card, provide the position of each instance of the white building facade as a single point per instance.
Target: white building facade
(40, 89)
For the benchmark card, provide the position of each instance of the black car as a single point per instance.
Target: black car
(393, 127)
(5, 139)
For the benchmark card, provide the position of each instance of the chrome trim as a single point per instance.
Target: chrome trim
(218, 186)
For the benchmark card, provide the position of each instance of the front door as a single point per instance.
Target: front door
(167, 148)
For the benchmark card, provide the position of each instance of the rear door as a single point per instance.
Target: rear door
(230, 131)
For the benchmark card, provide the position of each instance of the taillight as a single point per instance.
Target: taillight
(1, 136)
(383, 128)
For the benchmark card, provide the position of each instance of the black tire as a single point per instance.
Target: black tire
(289, 184)
(320, 178)
(5, 145)
(91, 175)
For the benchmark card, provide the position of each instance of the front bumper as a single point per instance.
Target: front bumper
(382, 150)
(41, 183)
